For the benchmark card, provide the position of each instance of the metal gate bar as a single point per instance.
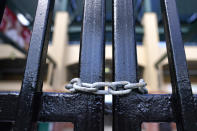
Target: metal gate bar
(85, 110)
(130, 111)
(183, 102)
(125, 61)
(61, 107)
(92, 64)
(31, 90)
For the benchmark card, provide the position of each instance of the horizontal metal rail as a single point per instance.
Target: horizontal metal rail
(66, 107)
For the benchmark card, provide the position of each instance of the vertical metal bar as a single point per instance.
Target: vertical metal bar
(125, 60)
(29, 99)
(183, 101)
(2, 8)
(92, 63)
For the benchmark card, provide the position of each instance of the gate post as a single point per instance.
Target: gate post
(92, 54)
(182, 97)
(31, 90)
(125, 62)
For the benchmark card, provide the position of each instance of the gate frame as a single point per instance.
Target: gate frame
(87, 111)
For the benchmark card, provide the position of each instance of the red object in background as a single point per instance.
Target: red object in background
(11, 27)
(63, 126)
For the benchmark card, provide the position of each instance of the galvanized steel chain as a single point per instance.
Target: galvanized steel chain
(114, 88)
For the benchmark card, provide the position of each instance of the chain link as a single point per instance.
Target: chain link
(114, 88)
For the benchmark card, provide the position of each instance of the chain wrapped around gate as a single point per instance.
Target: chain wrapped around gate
(114, 88)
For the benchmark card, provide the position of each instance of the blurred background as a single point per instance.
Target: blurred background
(64, 45)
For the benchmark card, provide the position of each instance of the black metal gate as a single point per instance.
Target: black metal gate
(86, 111)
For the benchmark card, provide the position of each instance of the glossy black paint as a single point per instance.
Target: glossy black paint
(92, 50)
(31, 90)
(183, 101)
(125, 115)
(65, 107)
(86, 111)
(125, 63)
